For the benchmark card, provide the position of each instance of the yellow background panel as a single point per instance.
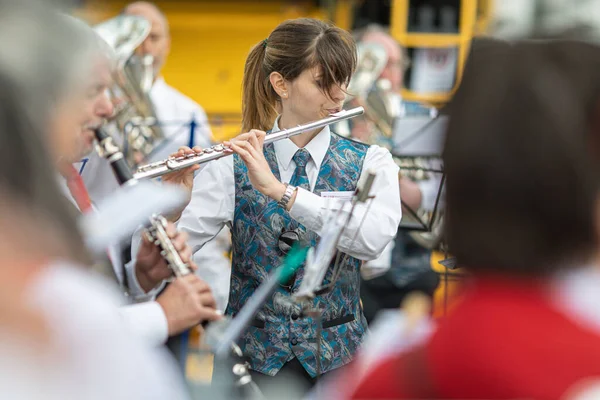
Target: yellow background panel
(210, 42)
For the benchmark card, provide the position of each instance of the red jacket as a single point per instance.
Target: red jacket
(504, 340)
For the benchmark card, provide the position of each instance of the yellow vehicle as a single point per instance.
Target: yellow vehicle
(210, 42)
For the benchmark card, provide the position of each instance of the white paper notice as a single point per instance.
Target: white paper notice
(337, 195)
(433, 70)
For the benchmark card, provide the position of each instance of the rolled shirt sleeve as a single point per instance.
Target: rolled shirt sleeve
(372, 226)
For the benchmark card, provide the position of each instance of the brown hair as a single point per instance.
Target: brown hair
(293, 47)
(522, 160)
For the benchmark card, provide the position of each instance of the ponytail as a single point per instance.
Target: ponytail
(258, 97)
(294, 46)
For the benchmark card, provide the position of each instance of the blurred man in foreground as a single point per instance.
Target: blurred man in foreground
(62, 334)
(186, 301)
(174, 111)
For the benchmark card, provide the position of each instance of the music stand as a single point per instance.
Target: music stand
(420, 135)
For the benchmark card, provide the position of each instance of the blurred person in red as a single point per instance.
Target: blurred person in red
(522, 159)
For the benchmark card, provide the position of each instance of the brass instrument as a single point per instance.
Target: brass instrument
(135, 116)
(382, 105)
(383, 108)
(218, 151)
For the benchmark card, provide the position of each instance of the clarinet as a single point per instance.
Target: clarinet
(157, 232)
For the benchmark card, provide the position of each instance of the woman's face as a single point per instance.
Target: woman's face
(308, 101)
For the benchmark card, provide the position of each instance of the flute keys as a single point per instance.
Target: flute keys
(218, 147)
(151, 166)
(209, 150)
(173, 164)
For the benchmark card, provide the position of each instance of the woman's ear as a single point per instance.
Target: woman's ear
(279, 84)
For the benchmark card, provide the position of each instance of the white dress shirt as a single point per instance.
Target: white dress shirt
(379, 266)
(146, 318)
(175, 111)
(91, 355)
(213, 199)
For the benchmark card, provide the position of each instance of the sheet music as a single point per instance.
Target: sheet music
(319, 258)
(120, 214)
(419, 135)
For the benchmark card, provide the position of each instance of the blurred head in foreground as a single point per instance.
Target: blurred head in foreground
(522, 158)
(38, 57)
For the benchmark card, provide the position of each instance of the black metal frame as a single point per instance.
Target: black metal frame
(420, 225)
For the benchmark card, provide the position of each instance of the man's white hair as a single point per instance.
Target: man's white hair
(90, 48)
(93, 44)
(45, 51)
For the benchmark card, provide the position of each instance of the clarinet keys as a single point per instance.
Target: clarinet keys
(158, 235)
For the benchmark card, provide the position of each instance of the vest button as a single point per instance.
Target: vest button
(295, 316)
(294, 342)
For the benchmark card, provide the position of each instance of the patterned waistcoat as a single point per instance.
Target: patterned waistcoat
(279, 332)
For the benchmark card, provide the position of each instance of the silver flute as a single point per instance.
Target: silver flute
(217, 151)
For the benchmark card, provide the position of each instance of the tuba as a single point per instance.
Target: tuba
(134, 117)
(366, 89)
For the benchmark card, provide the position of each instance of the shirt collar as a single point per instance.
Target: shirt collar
(317, 147)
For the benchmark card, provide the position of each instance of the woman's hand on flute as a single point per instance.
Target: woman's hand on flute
(249, 146)
(183, 178)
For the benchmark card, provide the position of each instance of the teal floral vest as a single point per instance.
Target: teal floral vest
(279, 333)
